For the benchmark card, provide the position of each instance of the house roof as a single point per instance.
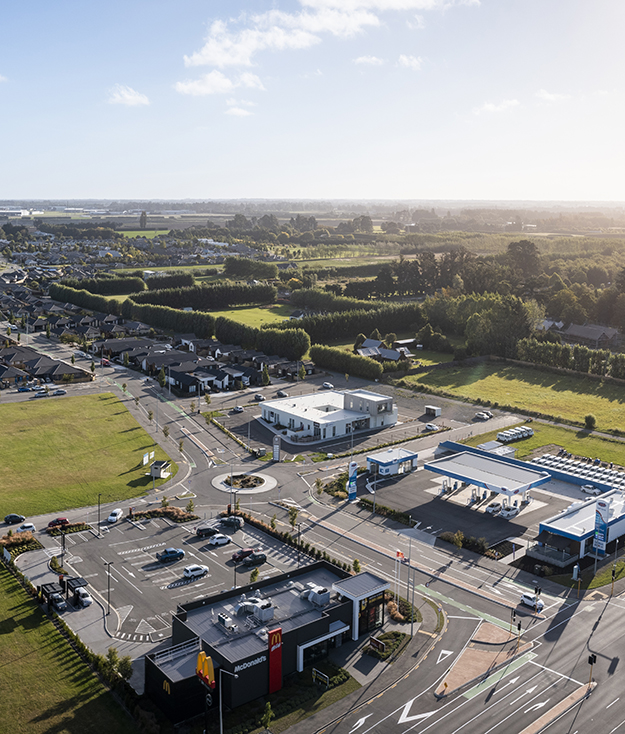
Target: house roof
(590, 331)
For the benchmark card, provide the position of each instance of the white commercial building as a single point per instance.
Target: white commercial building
(324, 415)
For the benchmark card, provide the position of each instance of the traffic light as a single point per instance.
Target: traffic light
(592, 659)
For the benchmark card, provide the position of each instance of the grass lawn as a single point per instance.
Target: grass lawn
(577, 442)
(258, 315)
(45, 686)
(61, 453)
(561, 396)
(147, 233)
(589, 580)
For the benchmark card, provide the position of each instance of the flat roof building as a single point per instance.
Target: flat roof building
(392, 461)
(262, 632)
(327, 414)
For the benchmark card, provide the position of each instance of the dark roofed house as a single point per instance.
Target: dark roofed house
(596, 337)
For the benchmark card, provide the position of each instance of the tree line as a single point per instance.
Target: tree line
(107, 286)
(209, 297)
(578, 357)
(337, 360)
(238, 268)
(318, 300)
(170, 280)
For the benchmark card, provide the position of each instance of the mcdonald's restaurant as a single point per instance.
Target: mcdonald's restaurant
(260, 633)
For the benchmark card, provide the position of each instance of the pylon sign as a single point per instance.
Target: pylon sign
(204, 669)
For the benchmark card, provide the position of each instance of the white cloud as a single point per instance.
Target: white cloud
(385, 5)
(369, 61)
(417, 23)
(237, 112)
(507, 104)
(551, 97)
(121, 94)
(3, 79)
(410, 62)
(215, 82)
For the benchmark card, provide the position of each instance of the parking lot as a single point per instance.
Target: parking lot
(144, 593)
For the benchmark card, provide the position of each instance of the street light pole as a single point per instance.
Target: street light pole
(108, 565)
(221, 715)
(99, 533)
(299, 535)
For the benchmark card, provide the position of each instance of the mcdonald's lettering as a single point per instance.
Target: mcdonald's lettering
(275, 660)
(166, 686)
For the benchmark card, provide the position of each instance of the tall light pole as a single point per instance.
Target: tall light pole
(108, 565)
(299, 535)
(221, 715)
(99, 532)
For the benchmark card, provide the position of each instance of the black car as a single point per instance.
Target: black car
(206, 531)
(170, 554)
(242, 554)
(57, 601)
(255, 559)
(233, 521)
(13, 519)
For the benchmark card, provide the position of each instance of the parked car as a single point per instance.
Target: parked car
(170, 554)
(60, 392)
(57, 601)
(115, 515)
(282, 394)
(533, 601)
(242, 554)
(205, 531)
(80, 354)
(493, 508)
(41, 394)
(481, 416)
(84, 597)
(58, 522)
(488, 413)
(431, 427)
(194, 571)
(26, 528)
(237, 409)
(509, 512)
(220, 539)
(255, 559)
(259, 398)
(328, 386)
(13, 519)
(591, 489)
(23, 389)
(234, 521)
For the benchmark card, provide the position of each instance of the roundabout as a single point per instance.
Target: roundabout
(244, 483)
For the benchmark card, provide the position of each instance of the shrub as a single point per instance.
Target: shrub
(590, 422)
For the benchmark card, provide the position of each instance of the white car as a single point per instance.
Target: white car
(509, 512)
(482, 416)
(26, 527)
(533, 601)
(194, 571)
(328, 386)
(115, 515)
(84, 597)
(493, 508)
(220, 539)
(431, 427)
(590, 489)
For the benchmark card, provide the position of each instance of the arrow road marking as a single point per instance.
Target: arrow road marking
(444, 654)
(360, 722)
(529, 690)
(537, 706)
(417, 717)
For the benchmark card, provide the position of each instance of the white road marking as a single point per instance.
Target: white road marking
(613, 702)
(444, 655)
(537, 706)
(360, 722)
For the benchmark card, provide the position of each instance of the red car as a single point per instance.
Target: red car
(241, 554)
(58, 522)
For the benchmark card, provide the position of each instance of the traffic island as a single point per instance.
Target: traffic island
(490, 649)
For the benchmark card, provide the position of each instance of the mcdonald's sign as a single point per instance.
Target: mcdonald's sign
(204, 669)
(166, 686)
(275, 660)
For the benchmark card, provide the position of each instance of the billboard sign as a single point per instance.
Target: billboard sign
(601, 525)
(276, 448)
(145, 459)
(351, 481)
(275, 660)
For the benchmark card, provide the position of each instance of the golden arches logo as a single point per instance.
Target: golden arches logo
(166, 686)
(276, 638)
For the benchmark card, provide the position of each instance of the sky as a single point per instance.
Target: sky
(315, 99)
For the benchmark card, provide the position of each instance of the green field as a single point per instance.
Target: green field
(61, 453)
(45, 686)
(257, 315)
(577, 442)
(149, 234)
(561, 396)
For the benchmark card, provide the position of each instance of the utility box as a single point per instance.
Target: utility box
(432, 410)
